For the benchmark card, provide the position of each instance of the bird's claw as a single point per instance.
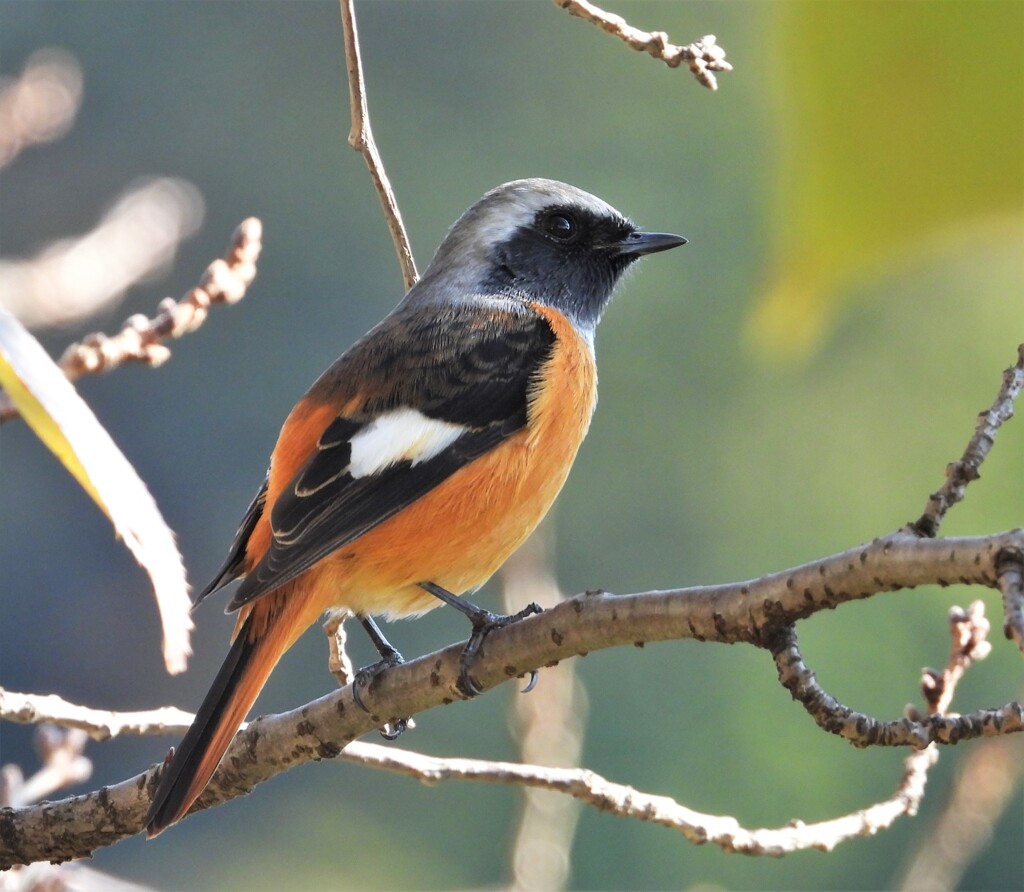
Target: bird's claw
(485, 622)
(364, 678)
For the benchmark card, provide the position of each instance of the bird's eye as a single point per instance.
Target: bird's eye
(559, 226)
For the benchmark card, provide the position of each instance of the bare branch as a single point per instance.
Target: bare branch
(703, 57)
(361, 139)
(63, 765)
(749, 612)
(1010, 570)
(969, 633)
(912, 730)
(962, 472)
(99, 724)
(142, 340)
(624, 801)
(986, 785)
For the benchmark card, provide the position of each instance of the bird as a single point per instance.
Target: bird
(425, 455)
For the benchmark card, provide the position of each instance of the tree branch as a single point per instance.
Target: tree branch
(99, 724)
(591, 789)
(962, 472)
(1010, 570)
(361, 139)
(142, 340)
(751, 612)
(63, 764)
(703, 56)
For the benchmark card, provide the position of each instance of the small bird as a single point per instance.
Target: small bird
(424, 456)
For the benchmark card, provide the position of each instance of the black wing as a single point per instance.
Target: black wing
(234, 564)
(471, 365)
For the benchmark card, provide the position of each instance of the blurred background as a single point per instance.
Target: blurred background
(791, 383)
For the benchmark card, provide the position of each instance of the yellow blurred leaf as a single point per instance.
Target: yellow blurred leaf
(898, 121)
(51, 406)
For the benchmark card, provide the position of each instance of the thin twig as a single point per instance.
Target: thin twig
(624, 801)
(361, 139)
(141, 339)
(862, 730)
(703, 56)
(99, 724)
(962, 472)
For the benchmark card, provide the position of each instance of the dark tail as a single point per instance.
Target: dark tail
(238, 683)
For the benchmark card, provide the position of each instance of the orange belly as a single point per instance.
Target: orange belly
(461, 532)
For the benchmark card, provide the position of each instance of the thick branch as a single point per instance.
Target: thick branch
(750, 612)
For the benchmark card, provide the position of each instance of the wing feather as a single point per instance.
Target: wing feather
(472, 365)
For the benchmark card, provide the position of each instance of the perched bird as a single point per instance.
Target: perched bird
(425, 455)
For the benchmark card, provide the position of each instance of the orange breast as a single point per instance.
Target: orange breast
(459, 533)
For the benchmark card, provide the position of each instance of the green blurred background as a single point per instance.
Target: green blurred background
(791, 383)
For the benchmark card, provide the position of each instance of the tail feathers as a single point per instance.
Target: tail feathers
(238, 683)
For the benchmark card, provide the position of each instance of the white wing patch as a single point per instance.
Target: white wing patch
(400, 435)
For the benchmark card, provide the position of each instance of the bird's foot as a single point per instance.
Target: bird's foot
(389, 658)
(484, 622)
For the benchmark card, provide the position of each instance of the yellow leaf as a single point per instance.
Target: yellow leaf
(51, 406)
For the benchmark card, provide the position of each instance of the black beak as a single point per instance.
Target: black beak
(641, 243)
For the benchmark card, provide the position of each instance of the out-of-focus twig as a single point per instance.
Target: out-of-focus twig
(991, 774)
(966, 468)
(142, 340)
(703, 56)
(40, 104)
(988, 782)
(63, 765)
(72, 877)
(74, 279)
(361, 139)
(549, 724)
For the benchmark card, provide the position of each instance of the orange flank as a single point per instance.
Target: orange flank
(459, 533)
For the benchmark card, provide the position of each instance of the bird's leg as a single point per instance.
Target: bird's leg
(484, 622)
(389, 657)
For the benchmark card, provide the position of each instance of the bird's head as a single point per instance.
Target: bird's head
(544, 241)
